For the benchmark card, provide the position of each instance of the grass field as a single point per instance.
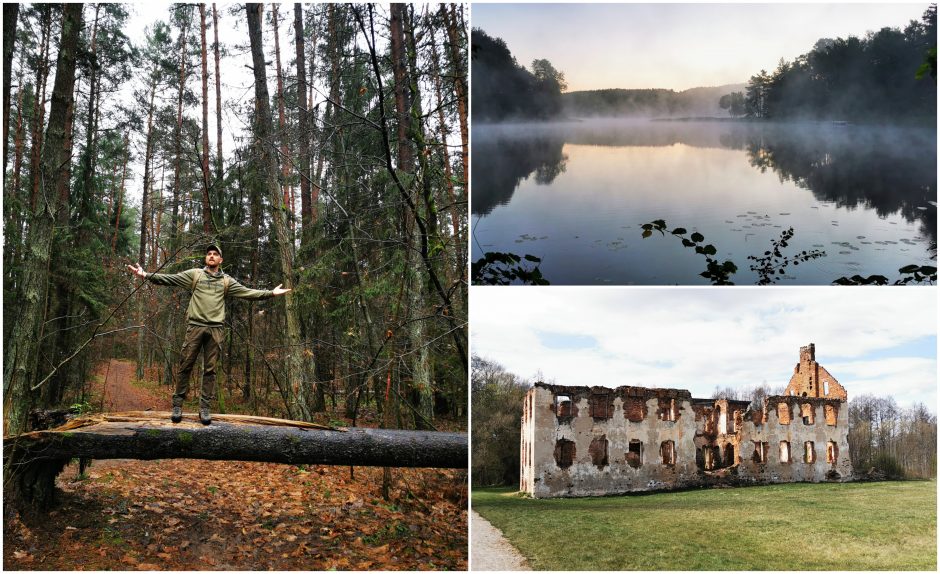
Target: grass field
(854, 526)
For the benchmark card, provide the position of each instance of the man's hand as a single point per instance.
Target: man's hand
(278, 291)
(137, 270)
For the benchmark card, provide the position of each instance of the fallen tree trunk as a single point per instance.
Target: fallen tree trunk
(33, 459)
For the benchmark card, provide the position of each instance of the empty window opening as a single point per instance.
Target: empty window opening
(757, 416)
(832, 414)
(668, 410)
(635, 409)
(564, 453)
(712, 455)
(808, 413)
(809, 452)
(760, 452)
(635, 454)
(563, 406)
(600, 406)
(832, 452)
(668, 452)
(734, 421)
(723, 421)
(783, 413)
(598, 451)
(729, 455)
(784, 451)
(826, 388)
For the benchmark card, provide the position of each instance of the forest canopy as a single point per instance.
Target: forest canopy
(503, 90)
(890, 74)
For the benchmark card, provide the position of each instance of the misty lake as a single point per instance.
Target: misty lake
(575, 194)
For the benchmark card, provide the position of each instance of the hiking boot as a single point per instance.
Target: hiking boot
(177, 414)
(204, 416)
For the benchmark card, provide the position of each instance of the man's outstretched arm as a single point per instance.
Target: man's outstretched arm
(182, 279)
(236, 289)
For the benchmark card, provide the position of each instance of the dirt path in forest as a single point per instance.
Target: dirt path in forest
(490, 550)
(121, 395)
(183, 514)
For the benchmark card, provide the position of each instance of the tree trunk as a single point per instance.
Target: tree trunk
(420, 365)
(88, 169)
(175, 219)
(281, 122)
(303, 137)
(207, 224)
(296, 372)
(39, 456)
(460, 257)
(144, 223)
(218, 99)
(39, 109)
(10, 14)
(120, 198)
(460, 81)
(402, 94)
(20, 360)
(148, 435)
(12, 208)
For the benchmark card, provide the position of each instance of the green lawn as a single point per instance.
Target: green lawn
(853, 526)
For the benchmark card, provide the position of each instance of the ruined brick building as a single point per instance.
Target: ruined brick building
(588, 441)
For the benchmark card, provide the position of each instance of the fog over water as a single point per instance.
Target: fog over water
(576, 193)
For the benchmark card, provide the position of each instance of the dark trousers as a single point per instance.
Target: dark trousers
(205, 339)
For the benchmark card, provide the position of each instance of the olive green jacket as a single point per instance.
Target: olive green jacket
(207, 304)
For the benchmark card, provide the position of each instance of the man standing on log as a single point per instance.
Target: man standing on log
(206, 317)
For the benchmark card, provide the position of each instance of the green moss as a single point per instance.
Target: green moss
(185, 437)
(154, 433)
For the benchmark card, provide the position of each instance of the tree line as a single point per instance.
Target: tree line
(347, 182)
(650, 103)
(894, 442)
(503, 90)
(885, 75)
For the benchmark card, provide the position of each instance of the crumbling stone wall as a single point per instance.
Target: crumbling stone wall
(810, 379)
(589, 441)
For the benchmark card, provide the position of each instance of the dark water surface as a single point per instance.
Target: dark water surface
(576, 194)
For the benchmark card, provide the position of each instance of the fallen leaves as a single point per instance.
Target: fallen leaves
(162, 515)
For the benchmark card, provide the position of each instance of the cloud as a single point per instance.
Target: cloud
(700, 338)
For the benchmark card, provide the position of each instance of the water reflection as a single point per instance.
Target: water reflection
(574, 194)
(887, 170)
(502, 160)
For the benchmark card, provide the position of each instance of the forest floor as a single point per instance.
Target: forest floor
(226, 515)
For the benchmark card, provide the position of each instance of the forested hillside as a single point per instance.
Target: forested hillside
(649, 103)
(503, 90)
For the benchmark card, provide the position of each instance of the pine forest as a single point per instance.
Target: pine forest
(323, 148)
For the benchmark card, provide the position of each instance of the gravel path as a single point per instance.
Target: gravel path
(489, 549)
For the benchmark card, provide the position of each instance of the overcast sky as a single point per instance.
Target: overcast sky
(675, 46)
(879, 341)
